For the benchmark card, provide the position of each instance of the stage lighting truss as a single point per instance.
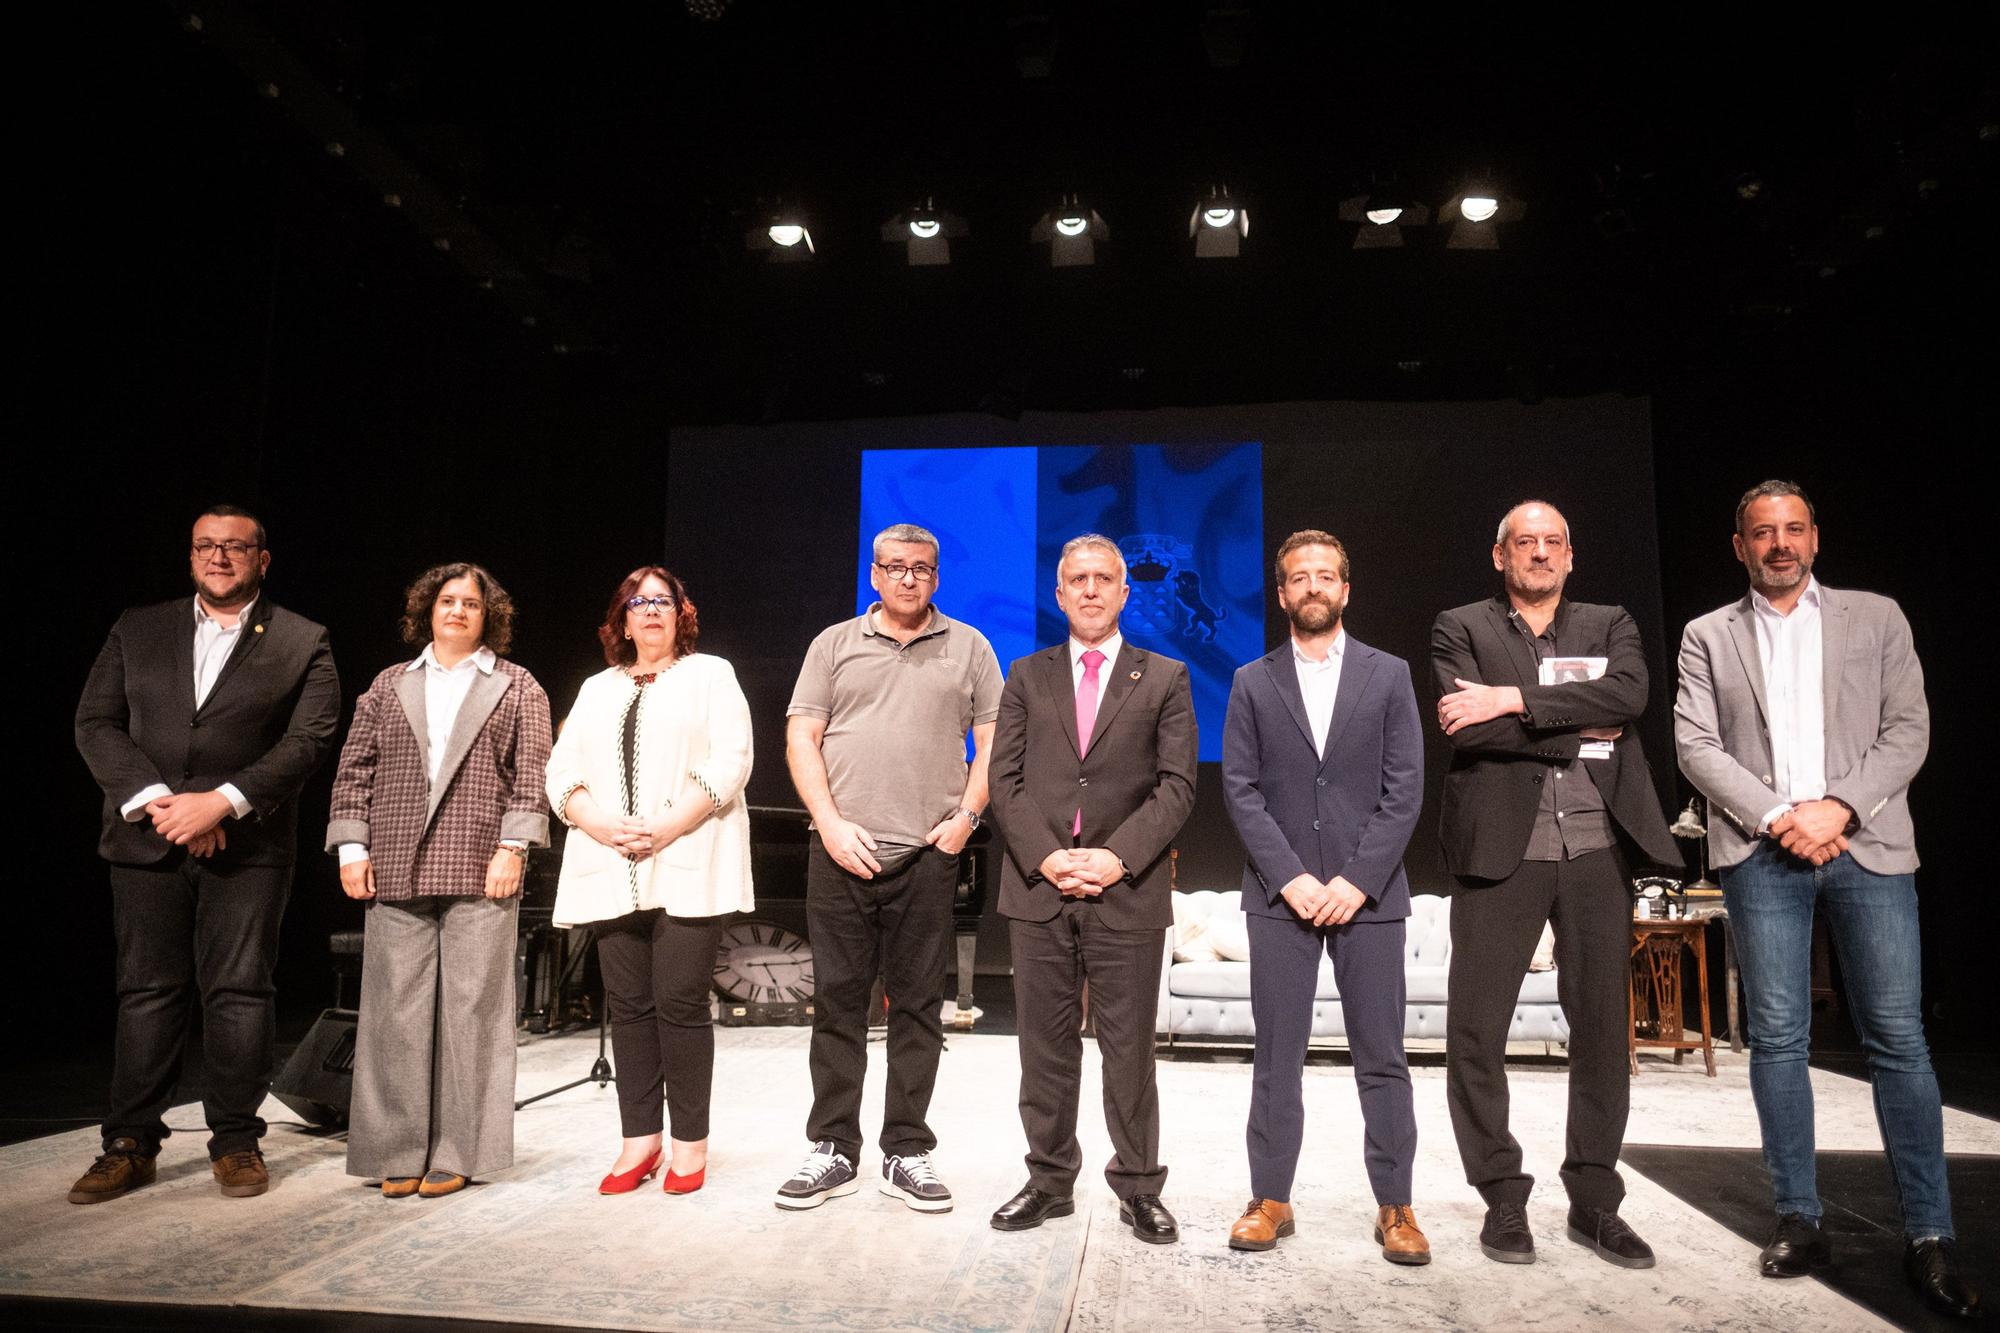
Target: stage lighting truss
(925, 232)
(1072, 233)
(1476, 213)
(1218, 225)
(1380, 216)
(783, 237)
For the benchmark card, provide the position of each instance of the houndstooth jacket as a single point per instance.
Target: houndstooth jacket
(426, 841)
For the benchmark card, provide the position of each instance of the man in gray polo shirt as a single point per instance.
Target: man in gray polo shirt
(875, 739)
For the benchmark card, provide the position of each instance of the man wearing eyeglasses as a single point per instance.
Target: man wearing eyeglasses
(201, 722)
(875, 739)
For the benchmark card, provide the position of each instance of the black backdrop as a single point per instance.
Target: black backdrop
(1413, 490)
(212, 311)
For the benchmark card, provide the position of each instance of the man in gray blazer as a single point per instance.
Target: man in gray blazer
(1801, 718)
(1093, 776)
(201, 720)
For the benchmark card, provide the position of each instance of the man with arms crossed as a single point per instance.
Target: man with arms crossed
(875, 738)
(201, 721)
(1323, 767)
(1531, 828)
(1093, 775)
(1801, 717)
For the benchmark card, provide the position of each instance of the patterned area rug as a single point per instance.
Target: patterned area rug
(537, 1244)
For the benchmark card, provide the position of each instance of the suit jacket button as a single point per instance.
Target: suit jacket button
(1085, 782)
(1767, 779)
(1538, 779)
(1315, 823)
(1320, 781)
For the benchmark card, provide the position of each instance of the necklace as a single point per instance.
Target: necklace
(649, 677)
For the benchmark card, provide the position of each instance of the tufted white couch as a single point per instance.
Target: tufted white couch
(1212, 999)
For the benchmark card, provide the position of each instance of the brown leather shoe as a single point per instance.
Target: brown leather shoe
(438, 1183)
(400, 1187)
(241, 1174)
(1263, 1223)
(121, 1169)
(1396, 1231)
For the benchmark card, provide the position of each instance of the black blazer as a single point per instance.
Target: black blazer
(1494, 785)
(1350, 813)
(1135, 787)
(265, 726)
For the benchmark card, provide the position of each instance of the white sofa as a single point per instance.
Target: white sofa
(1202, 1000)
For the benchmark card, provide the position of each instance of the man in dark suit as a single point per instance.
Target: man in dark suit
(1323, 767)
(1547, 794)
(1093, 775)
(201, 720)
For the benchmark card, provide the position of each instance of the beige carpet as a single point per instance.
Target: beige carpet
(538, 1245)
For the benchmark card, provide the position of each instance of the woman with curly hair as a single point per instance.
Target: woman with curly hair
(438, 797)
(649, 774)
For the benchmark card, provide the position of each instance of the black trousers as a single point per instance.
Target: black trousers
(657, 971)
(195, 933)
(1052, 960)
(896, 925)
(1494, 928)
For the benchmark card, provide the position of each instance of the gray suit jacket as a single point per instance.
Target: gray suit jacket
(1877, 725)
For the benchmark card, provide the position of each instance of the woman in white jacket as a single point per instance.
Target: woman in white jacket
(649, 772)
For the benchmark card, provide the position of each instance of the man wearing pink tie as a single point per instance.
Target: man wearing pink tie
(1092, 777)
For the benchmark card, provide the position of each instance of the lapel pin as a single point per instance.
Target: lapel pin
(1135, 675)
(256, 629)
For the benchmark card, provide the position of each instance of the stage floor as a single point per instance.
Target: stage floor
(537, 1245)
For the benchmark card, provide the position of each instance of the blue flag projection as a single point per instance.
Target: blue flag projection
(1189, 518)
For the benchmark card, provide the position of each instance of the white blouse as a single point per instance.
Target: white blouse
(693, 722)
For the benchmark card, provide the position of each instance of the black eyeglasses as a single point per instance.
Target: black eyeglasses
(897, 573)
(662, 604)
(231, 550)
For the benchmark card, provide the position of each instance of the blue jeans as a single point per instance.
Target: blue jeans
(1873, 921)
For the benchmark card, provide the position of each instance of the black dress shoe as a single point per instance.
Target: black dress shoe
(1602, 1230)
(1030, 1208)
(1505, 1238)
(1933, 1270)
(1149, 1219)
(1797, 1247)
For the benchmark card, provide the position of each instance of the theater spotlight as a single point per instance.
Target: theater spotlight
(925, 232)
(1476, 213)
(783, 235)
(1071, 232)
(1218, 225)
(1380, 216)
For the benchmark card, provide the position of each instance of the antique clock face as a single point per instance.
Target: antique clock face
(757, 962)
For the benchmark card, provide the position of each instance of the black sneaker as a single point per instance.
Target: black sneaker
(825, 1174)
(1505, 1238)
(913, 1180)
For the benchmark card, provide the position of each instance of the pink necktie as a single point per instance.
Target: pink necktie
(1086, 716)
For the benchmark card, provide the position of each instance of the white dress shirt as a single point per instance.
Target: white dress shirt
(445, 689)
(213, 643)
(1791, 651)
(1077, 648)
(1319, 682)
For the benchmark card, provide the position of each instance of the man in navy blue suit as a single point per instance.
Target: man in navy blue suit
(1323, 769)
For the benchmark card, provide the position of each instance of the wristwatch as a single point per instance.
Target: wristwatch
(971, 817)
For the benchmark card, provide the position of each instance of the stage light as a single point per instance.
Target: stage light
(1476, 213)
(1218, 225)
(1071, 232)
(1380, 216)
(924, 232)
(784, 235)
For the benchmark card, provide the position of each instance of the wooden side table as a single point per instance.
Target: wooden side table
(1658, 1006)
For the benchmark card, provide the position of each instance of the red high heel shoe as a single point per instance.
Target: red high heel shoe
(624, 1182)
(674, 1184)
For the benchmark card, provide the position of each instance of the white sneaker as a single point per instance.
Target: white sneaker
(914, 1180)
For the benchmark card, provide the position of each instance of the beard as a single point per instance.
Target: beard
(1781, 580)
(242, 590)
(1316, 613)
